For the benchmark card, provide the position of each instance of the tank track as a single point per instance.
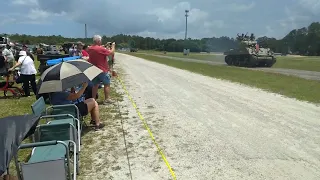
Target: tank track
(248, 61)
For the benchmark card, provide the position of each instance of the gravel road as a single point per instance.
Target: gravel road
(214, 129)
(219, 60)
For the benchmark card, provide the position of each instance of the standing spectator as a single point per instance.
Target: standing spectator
(85, 51)
(97, 57)
(71, 50)
(110, 60)
(27, 72)
(78, 50)
(25, 48)
(8, 56)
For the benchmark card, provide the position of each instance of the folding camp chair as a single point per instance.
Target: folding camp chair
(53, 167)
(67, 109)
(61, 132)
(39, 108)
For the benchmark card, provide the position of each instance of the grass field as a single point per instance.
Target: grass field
(200, 56)
(289, 86)
(286, 62)
(302, 63)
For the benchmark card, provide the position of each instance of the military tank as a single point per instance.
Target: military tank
(249, 54)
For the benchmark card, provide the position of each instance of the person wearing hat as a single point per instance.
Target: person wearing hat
(78, 50)
(27, 72)
(25, 48)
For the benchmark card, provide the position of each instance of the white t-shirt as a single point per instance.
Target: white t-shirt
(27, 65)
(6, 52)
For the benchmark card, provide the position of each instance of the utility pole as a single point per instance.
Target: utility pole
(85, 31)
(185, 50)
(187, 11)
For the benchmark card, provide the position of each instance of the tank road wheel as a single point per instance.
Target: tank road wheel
(246, 61)
(270, 64)
(236, 61)
(250, 63)
(228, 60)
(241, 61)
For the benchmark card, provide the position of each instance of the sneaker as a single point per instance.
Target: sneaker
(100, 126)
(108, 101)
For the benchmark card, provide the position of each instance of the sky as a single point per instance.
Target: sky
(158, 19)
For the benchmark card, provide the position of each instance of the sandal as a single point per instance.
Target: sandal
(100, 126)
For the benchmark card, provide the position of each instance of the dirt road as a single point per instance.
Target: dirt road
(219, 60)
(213, 129)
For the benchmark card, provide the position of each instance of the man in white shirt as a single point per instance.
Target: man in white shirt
(8, 56)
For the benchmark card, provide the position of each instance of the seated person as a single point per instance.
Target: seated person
(87, 106)
(88, 91)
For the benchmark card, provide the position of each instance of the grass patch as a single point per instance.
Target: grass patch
(301, 63)
(199, 56)
(289, 86)
(286, 62)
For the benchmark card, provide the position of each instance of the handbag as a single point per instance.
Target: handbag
(18, 77)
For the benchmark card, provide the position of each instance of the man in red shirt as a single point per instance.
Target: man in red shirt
(97, 57)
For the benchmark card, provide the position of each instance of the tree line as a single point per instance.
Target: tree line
(303, 41)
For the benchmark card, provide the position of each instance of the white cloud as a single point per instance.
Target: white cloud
(25, 2)
(270, 32)
(235, 7)
(7, 20)
(38, 14)
(312, 5)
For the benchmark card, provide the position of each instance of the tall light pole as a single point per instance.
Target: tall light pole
(187, 11)
(85, 31)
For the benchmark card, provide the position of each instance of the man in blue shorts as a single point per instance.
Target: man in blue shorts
(97, 57)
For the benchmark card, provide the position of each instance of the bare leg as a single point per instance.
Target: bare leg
(93, 108)
(106, 91)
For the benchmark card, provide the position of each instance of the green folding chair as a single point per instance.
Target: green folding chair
(51, 161)
(39, 108)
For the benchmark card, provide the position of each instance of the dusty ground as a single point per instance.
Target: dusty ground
(213, 129)
(219, 60)
(105, 153)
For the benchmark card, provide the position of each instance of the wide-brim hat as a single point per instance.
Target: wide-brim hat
(22, 53)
